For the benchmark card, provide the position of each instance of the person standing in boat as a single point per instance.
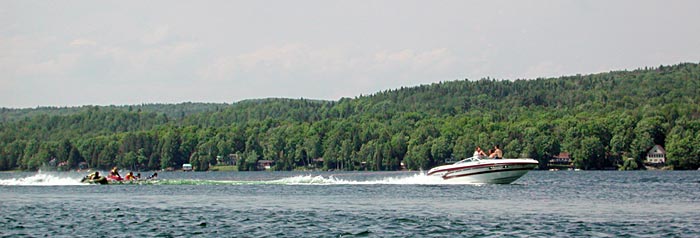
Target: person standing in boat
(498, 154)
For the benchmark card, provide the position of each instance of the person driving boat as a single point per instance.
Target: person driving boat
(498, 153)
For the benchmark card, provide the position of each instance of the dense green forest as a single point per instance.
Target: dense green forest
(606, 120)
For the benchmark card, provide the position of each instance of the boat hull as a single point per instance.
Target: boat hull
(502, 171)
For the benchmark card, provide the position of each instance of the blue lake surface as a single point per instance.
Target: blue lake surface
(353, 204)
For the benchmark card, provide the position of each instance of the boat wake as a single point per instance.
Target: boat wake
(41, 179)
(415, 179)
(412, 179)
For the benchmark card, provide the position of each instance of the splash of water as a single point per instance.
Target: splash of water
(419, 179)
(41, 179)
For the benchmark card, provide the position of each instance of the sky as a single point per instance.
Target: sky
(73, 53)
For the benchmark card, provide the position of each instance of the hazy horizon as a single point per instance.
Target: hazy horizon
(75, 53)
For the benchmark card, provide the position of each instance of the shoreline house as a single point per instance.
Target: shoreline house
(562, 159)
(265, 164)
(316, 163)
(231, 159)
(656, 156)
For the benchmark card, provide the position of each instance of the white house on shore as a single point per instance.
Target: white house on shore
(656, 156)
(562, 159)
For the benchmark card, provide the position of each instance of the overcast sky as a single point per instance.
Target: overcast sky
(71, 53)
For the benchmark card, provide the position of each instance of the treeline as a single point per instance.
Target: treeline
(179, 110)
(607, 120)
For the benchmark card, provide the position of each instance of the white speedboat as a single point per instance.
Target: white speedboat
(476, 170)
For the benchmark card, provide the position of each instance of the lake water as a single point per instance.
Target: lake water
(353, 204)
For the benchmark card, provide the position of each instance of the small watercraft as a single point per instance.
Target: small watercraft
(115, 178)
(490, 171)
(99, 180)
(95, 178)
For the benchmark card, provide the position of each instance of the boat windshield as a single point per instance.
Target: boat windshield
(470, 159)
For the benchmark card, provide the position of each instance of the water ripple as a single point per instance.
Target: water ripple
(584, 204)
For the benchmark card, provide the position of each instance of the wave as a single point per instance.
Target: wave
(41, 179)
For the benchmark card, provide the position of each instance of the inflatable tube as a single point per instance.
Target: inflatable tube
(115, 178)
(100, 180)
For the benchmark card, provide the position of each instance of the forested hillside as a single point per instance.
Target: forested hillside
(170, 110)
(600, 119)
